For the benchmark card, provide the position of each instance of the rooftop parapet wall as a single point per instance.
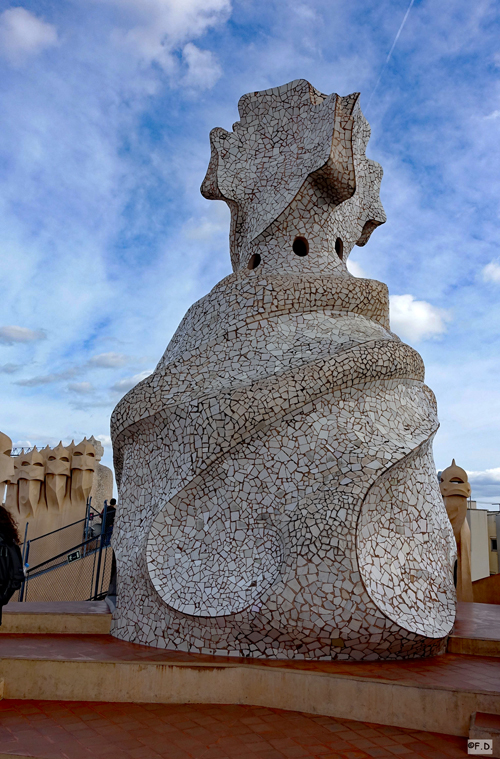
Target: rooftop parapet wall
(278, 494)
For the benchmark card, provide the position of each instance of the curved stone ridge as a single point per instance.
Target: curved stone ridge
(196, 572)
(403, 544)
(277, 491)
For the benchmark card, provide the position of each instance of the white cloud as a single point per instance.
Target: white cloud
(416, 319)
(23, 35)
(203, 69)
(81, 388)
(13, 334)
(355, 269)
(486, 484)
(101, 175)
(105, 440)
(127, 383)
(493, 115)
(210, 225)
(491, 474)
(491, 272)
(158, 27)
(101, 361)
(48, 379)
(109, 360)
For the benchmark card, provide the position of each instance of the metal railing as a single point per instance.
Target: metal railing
(17, 450)
(78, 571)
(37, 550)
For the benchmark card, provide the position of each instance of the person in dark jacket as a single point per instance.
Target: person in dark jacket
(110, 514)
(11, 562)
(110, 520)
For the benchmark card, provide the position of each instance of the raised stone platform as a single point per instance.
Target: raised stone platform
(57, 617)
(476, 630)
(438, 694)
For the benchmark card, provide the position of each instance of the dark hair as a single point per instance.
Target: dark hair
(112, 502)
(8, 527)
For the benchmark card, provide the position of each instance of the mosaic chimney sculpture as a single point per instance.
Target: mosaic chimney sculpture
(57, 477)
(278, 495)
(455, 489)
(6, 463)
(82, 470)
(30, 480)
(12, 491)
(49, 488)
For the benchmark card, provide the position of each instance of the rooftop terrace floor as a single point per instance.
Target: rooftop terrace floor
(87, 730)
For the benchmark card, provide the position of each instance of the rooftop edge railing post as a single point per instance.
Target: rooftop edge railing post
(102, 541)
(86, 523)
(26, 552)
(86, 527)
(24, 541)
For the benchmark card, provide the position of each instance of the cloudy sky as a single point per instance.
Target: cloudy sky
(105, 240)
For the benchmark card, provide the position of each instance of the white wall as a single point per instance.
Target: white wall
(494, 532)
(480, 543)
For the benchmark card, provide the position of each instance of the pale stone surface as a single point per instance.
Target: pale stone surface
(455, 489)
(102, 483)
(278, 495)
(49, 488)
(6, 463)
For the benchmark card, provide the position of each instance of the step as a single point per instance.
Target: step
(438, 694)
(486, 727)
(56, 618)
(476, 630)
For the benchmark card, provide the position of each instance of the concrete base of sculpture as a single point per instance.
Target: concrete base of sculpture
(439, 696)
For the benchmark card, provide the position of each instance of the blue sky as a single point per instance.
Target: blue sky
(106, 241)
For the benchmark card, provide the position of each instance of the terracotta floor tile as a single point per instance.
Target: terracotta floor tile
(144, 753)
(187, 744)
(399, 750)
(281, 742)
(362, 742)
(367, 732)
(339, 745)
(402, 738)
(384, 741)
(347, 735)
(378, 751)
(334, 727)
(294, 752)
(79, 730)
(318, 750)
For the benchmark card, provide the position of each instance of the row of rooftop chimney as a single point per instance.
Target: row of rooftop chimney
(51, 478)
